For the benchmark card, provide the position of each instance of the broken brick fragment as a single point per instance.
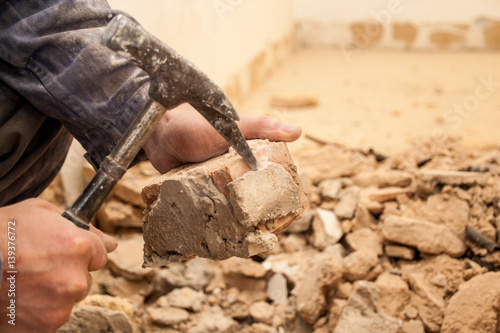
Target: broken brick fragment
(222, 208)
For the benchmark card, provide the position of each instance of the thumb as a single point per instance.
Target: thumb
(109, 242)
(262, 127)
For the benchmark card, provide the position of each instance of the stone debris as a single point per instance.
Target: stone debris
(277, 290)
(262, 312)
(326, 229)
(358, 264)
(362, 315)
(128, 189)
(126, 260)
(430, 305)
(363, 217)
(413, 326)
(383, 178)
(231, 210)
(331, 189)
(417, 233)
(347, 205)
(212, 320)
(475, 307)
(387, 194)
(429, 179)
(397, 251)
(101, 313)
(365, 239)
(243, 267)
(90, 319)
(167, 316)
(331, 162)
(380, 247)
(325, 273)
(115, 214)
(289, 264)
(394, 294)
(302, 224)
(184, 298)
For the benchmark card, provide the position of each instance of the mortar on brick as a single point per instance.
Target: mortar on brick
(209, 210)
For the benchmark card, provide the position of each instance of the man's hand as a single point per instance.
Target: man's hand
(53, 261)
(184, 136)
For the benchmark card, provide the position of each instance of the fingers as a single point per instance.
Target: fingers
(88, 250)
(84, 294)
(109, 242)
(262, 127)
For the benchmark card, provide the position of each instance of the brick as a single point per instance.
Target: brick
(115, 214)
(426, 236)
(388, 193)
(128, 189)
(221, 208)
(455, 178)
(403, 252)
(126, 260)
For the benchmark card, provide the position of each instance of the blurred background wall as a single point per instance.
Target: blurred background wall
(409, 24)
(238, 42)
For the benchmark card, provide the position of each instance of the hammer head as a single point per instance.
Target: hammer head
(175, 80)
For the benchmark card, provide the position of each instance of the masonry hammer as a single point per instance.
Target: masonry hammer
(174, 80)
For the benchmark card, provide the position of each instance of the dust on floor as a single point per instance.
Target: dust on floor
(385, 99)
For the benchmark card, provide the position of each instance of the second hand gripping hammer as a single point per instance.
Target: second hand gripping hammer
(174, 80)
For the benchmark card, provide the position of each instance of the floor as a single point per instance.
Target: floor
(384, 99)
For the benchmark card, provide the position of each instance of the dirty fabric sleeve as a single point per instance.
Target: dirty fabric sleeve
(58, 81)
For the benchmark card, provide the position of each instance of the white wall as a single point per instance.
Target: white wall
(219, 36)
(413, 10)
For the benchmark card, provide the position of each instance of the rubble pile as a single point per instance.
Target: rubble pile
(398, 244)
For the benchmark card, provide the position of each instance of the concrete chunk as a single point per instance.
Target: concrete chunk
(221, 208)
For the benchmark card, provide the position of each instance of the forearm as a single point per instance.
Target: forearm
(1, 269)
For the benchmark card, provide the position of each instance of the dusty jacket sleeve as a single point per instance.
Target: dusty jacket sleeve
(50, 52)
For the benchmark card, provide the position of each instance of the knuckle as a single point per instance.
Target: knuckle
(78, 286)
(262, 120)
(72, 288)
(80, 246)
(58, 317)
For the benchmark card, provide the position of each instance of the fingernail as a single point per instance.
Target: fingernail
(289, 129)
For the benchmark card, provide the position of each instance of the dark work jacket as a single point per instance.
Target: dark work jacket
(57, 82)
